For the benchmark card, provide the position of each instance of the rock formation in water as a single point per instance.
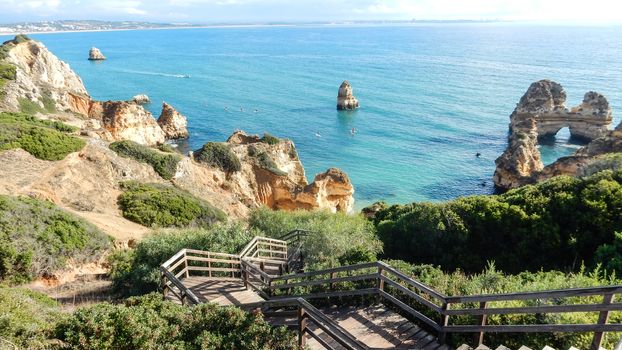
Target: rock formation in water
(173, 123)
(141, 99)
(96, 55)
(345, 97)
(541, 112)
(284, 185)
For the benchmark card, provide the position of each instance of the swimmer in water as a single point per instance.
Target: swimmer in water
(226, 108)
(353, 131)
(241, 109)
(318, 135)
(256, 110)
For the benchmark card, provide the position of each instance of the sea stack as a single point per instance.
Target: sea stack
(173, 123)
(96, 55)
(141, 99)
(345, 98)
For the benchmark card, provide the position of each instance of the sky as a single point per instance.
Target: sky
(262, 11)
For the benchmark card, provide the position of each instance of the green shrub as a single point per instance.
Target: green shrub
(164, 164)
(610, 255)
(266, 163)
(557, 224)
(137, 271)
(149, 322)
(26, 318)
(609, 161)
(166, 148)
(42, 138)
(7, 71)
(37, 238)
(269, 139)
(29, 107)
(332, 237)
(157, 205)
(219, 155)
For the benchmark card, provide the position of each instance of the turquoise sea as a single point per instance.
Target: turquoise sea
(431, 96)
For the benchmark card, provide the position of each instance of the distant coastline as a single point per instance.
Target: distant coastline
(96, 26)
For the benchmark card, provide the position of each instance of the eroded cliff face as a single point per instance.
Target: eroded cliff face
(40, 78)
(542, 112)
(174, 125)
(49, 83)
(285, 187)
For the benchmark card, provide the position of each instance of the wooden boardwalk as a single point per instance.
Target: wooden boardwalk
(377, 326)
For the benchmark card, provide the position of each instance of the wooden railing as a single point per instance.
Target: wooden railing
(263, 261)
(435, 310)
(264, 253)
(308, 315)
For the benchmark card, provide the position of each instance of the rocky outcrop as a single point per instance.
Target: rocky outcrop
(284, 186)
(96, 55)
(141, 99)
(174, 125)
(40, 77)
(541, 112)
(345, 97)
(120, 120)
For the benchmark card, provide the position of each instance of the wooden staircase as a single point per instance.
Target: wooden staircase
(363, 306)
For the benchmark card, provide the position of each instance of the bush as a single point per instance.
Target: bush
(43, 139)
(149, 322)
(163, 164)
(136, 271)
(266, 163)
(158, 205)
(269, 139)
(556, 224)
(26, 318)
(219, 155)
(7, 71)
(332, 237)
(37, 238)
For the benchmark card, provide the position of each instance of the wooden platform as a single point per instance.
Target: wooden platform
(222, 292)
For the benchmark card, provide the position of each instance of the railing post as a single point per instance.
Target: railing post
(186, 266)
(183, 297)
(442, 336)
(603, 317)
(209, 265)
(163, 284)
(302, 326)
(479, 337)
(380, 283)
(269, 287)
(244, 275)
(333, 275)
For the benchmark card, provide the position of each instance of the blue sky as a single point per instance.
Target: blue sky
(217, 11)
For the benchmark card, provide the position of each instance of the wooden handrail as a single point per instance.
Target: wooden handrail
(393, 286)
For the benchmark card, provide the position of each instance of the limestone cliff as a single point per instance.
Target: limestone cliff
(284, 184)
(174, 125)
(345, 97)
(40, 78)
(542, 112)
(49, 83)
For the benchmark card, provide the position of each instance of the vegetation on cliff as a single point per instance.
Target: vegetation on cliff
(158, 205)
(37, 238)
(218, 155)
(557, 224)
(165, 164)
(269, 139)
(331, 238)
(26, 318)
(44, 139)
(31, 320)
(136, 271)
(148, 322)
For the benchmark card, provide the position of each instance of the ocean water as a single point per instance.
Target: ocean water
(432, 96)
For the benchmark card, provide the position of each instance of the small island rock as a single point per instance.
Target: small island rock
(141, 99)
(96, 55)
(345, 98)
(173, 123)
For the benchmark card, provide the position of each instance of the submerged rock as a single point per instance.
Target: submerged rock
(173, 123)
(345, 97)
(141, 99)
(96, 55)
(541, 112)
